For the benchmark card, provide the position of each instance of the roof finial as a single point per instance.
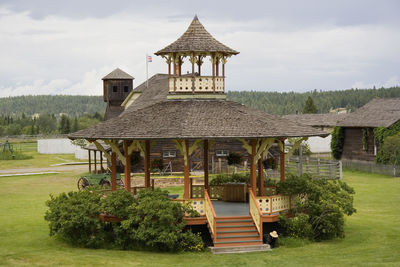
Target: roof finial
(195, 17)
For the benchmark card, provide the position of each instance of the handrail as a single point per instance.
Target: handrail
(211, 218)
(255, 212)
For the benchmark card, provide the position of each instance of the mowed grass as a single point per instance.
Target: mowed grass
(372, 234)
(38, 160)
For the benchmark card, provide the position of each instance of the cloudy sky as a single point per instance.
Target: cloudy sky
(66, 47)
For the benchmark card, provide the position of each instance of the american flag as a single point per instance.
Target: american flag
(149, 59)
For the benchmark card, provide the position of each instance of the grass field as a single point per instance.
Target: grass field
(38, 160)
(372, 234)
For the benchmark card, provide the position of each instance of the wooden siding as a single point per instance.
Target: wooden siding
(353, 144)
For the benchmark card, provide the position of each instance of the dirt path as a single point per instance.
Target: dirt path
(65, 168)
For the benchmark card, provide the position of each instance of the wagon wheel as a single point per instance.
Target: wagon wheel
(83, 183)
(105, 183)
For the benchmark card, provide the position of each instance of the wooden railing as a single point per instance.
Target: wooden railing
(255, 212)
(273, 204)
(198, 204)
(210, 214)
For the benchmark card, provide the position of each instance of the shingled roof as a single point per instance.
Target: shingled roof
(196, 39)
(380, 112)
(317, 120)
(195, 119)
(118, 74)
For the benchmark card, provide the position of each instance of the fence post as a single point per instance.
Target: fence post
(340, 170)
(318, 166)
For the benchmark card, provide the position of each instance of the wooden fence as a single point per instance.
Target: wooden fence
(371, 167)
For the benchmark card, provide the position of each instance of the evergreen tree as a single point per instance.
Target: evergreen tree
(309, 106)
(75, 126)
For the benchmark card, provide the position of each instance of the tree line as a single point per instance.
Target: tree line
(46, 124)
(292, 102)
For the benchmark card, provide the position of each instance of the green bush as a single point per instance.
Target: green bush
(117, 203)
(390, 151)
(337, 142)
(151, 221)
(298, 226)
(7, 155)
(233, 178)
(325, 202)
(73, 217)
(157, 223)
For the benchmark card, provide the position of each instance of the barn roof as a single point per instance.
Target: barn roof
(317, 120)
(196, 39)
(118, 74)
(379, 112)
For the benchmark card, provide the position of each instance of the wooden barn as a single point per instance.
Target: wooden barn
(359, 141)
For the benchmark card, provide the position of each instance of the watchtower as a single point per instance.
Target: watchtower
(196, 44)
(116, 87)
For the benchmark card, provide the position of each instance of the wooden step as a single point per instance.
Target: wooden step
(229, 218)
(236, 233)
(237, 238)
(237, 243)
(239, 249)
(234, 222)
(236, 228)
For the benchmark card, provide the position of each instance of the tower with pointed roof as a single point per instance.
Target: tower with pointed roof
(116, 87)
(196, 45)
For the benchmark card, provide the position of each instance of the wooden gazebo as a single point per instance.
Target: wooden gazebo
(196, 115)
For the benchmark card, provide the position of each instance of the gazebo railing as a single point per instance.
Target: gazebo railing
(273, 204)
(255, 212)
(210, 214)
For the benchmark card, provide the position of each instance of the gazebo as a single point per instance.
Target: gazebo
(196, 115)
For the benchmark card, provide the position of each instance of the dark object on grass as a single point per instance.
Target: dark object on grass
(271, 239)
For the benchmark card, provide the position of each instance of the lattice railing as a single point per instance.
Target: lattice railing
(198, 204)
(255, 212)
(273, 204)
(216, 192)
(197, 191)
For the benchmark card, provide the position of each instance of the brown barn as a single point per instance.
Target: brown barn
(359, 141)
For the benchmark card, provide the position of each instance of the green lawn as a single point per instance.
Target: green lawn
(38, 160)
(372, 234)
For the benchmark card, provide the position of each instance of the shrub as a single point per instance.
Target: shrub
(390, 151)
(73, 217)
(157, 165)
(270, 163)
(337, 142)
(117, 203)
(157, 223)
(325, 202)
(298, 226)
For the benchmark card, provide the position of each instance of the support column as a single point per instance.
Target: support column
(101, 162)
(205, 163)
(261, 175)
(113, 171)
(186, 184)
(95, 161)
(199, 65)
(282, 161)
(253, 165)
(127, 167)
(90, 162)
(147, 164)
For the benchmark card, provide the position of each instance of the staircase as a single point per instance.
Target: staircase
(237, 234)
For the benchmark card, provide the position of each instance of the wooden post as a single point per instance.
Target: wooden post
(253, 165)
(95, 161)
(217, 68)
(169, 69)
(186, 193)
(205, 163)
(282, 161)
(127, 167)
(101, 162)
(223, 74)
(113, 171)
(261, 176)
(219, 165)
(90, 162)
(199, 64)
(147, 164)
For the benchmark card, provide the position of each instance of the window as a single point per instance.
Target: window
(169, 154)
(221, 153)
(115, 89)
(125, 89)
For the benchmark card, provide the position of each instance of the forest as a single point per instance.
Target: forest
(55, 114)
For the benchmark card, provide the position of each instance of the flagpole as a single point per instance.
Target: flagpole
(147, 71)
